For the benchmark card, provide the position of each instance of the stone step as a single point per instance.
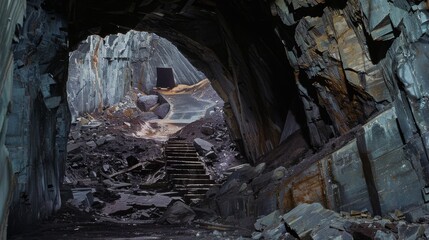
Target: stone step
(171, 170)
(179, 144)
(192, 190)
(187, 166)
(184, 159)
(196, 176)
(194, 196)
(180, 149)
(192, 185)
(185, 181)
(184, 154)
(170, 162)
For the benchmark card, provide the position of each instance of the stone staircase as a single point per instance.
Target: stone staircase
(186, 172)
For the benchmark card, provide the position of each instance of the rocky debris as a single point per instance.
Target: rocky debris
(313, 221)
(207, 130)
(145, 103)
(178, 213)
(162, 110)
(267, 221)
(128, 174)
(131, 202)
(82, 197)
(91, 144)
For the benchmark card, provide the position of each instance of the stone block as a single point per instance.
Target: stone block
(349, 189)
(396, 181)
(145, 103)
(382, 134)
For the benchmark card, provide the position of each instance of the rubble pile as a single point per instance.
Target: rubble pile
(114, 175)
(313, 221)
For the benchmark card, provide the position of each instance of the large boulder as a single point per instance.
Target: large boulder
(202, 146)
(145, 103)
(178, 213)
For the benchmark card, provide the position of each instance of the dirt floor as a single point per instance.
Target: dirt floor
(116, 165)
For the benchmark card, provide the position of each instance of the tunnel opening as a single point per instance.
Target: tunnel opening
(323, 145)
(135, 133)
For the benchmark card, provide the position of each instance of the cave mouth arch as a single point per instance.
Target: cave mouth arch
(255, 107)
(242, 45)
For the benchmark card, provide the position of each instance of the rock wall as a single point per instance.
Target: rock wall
(11, 17)
(371, 167)
(39, 118)
(102, 70)
(352, 74)
(359, 71)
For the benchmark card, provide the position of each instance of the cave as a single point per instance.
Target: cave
(326, 102)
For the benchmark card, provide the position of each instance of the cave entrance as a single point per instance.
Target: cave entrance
(122, 162)
(140, 78)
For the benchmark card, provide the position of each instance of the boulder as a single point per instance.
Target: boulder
(409, 232)
(268, 221)
(91, 144)
(145, 103)
(202, 146)
(178, 213)
(162, 110)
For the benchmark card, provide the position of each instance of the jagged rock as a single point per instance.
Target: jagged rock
(207, 130)
(202, 146)
(275, 232)
(101, 141)
(307, 218)
(162, 110)
(106, 167)
(91, 144)
(127, 202)
(145, 103)
(380, 235)
(256, 235)
(82, 197)
(178, 213)
(109, 138)
(409, 232)
(268, 221)
(75, 135)
(73, 147)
